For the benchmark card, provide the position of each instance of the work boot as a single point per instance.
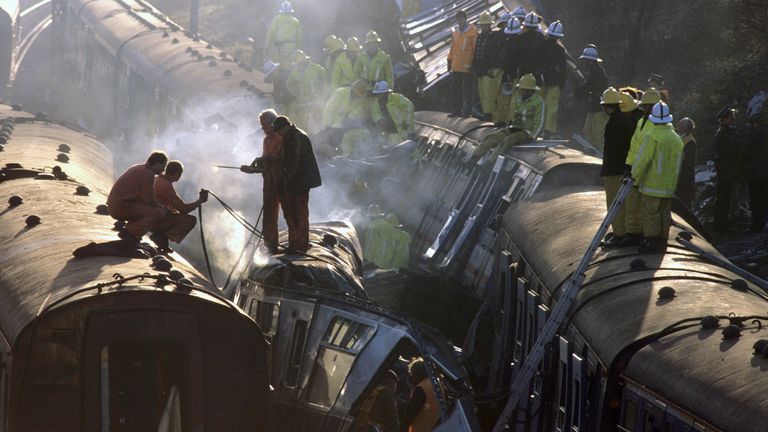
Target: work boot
(161, 241)
(632, 239)
(612, 241)
(126, 236)
(652, 245)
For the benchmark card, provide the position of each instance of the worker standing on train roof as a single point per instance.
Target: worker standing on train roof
(177, 222)
(633, 211)
(526, 124)
(284, 36)
(373, 64)
(486, 65)
(392, 113)
(348, 113)
(655, 170)
(339, 68)
(554, 73)
(508, 54)
(686, 183)
(590, 91)
(300, 173)
(460, 57)
(306, 87)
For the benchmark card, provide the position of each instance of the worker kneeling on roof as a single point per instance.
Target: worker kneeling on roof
(177, 223)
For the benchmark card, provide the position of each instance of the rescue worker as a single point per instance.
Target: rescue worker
(531, 47)
(597, 80)
(401, 243)
(353, 50)
(422, 411)
(633, 211)
(510, 71)
(386, 245)
(655, 170)
(269, 164)
(460, 57)
(300, 173)
(378, 411)
(618, 134)
(340, 71)
(306, 87)
(756, 173)
(727, 154)
(686, 183)
(486, 65)
(657, 81)
(554, 73)
(519, 13)
(392, 113)
(373, 64)
(526, 124)
(347, 112)
(284, 35)
(132, 198)
(177, 223)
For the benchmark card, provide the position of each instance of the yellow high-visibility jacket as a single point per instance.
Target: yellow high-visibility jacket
(530, 115)
(376, 68)
(400, 108)
(306, 84)
(341, 73)
(641, 129)
(344, 110)
(657, 163)
(283, 38)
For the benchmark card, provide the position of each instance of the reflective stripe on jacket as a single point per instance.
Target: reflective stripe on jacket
(530, 114)
(375, 69)
(463, 49)
(657, 163)
(643, 127)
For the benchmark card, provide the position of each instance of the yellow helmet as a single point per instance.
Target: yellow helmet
(299, 56)
(392, 219)
(485, 19)
(353, 44)
(372, 37)
(331, 41)
(527, 82)
(628, 103)
(610, 96)
(650, 97)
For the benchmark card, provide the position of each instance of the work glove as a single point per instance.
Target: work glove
(246, 169)
(203, 196)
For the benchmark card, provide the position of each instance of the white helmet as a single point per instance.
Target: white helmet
(513, 26)
(380, 87)
(556, 29)
(519, 13)
(286, 8)
(531, 20)
(504, 18)
(269, 66)
(590, 53)
(660, 114)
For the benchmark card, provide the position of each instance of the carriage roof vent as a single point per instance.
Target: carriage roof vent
(637, 264)
(732, 332)
(760, 347)
(710, 322)
(15, 200)
(32, 221)
(739, 285)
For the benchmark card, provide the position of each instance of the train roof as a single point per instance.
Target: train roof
(37, 268)
(618, 310)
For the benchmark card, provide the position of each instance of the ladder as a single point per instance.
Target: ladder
(521, 382)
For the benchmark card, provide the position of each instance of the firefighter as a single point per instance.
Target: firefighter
(132, 198)
(486, 65)
(340, 71)
(347, 114)
(618, 134)
(554, 73)
(270, 166)
(596, 82)
(509, 67)
(306, 87)
(284, 35)
(655, 171)
(392, 113)
(373, 64)
(353, 50)
(300, 173)
(686, 184)
(460, 57)
(519, 13)
(177, 222)
(526, 124)
(727, 153)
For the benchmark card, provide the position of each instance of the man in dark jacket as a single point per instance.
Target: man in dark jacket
(757, 175)
(486, 65)
(596, 82)
(554, 73)
(300, 174)
(727, 165)
(686, 182)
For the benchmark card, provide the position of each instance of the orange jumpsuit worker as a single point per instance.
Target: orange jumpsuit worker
(300, 174)
(132, 198)
(177, 223)
(270, 165)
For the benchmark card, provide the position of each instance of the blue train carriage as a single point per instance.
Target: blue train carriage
(106, 343)
(9, 18)
(331, 346)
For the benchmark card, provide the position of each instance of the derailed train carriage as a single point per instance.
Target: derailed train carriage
(653, 342)
(107, 343)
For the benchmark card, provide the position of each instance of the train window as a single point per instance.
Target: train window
(630, 415)
(577, 392)
(519, 321)
(242, 301)
(561, 421)
(348, 334)
(298, 339)
(265, 314)
(542, 314)
(531, 312)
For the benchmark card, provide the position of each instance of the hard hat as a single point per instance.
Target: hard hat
(655, 78)
(299, 57)
(660, 114)
(374, 210)
(372, 37)
(504, 18)
(650, 97)
(556, 29)
(610, 96)
(485, 19)
(513, 26)
(286, 8)
(590, 53)
(392, 219)
(380, 87)
(359, 87)
(507, 88)
(519, 13)
(528, 82)
(726, 111)
(628, 103)
(531, 20)
(269, 66)
(331, 43)
(353, 44)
